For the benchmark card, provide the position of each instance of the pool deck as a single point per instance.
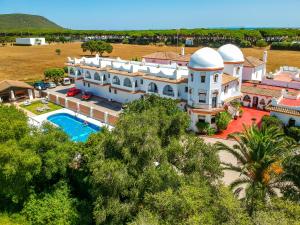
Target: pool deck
(43, 118)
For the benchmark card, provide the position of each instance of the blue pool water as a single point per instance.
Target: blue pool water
(75, 127)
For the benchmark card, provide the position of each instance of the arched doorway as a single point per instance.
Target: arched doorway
(255, 102)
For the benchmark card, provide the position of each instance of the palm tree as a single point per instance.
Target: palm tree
(260, 153)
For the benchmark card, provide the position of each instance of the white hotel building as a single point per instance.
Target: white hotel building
(210, 81)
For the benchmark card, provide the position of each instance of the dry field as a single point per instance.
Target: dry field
(28, 63)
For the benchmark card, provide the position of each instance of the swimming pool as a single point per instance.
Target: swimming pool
(77, 129)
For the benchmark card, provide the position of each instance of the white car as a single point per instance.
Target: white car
(66, 81)
(51, 85)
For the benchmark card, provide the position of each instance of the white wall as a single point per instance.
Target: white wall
(285, 118)
(254, 73)
(30, 41)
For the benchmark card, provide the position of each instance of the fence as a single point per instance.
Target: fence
(96, 114)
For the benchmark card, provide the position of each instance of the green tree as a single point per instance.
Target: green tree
(222, 120)
(13, 123)
(56, 207)
(54, 74)
(261, 43)
(58, 51)
(97, 47)
(260, 153)
(279, 212)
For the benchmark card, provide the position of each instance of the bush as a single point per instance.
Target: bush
(245, 44)
(211, 131)
(285, 46)
(293, 132)
(222, 120)
(261, 43)
(203, 127)
(272, 121)
(58, 51)
(125, 41)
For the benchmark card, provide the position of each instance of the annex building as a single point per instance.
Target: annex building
(209, 82)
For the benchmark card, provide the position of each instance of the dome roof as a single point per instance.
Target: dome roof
(206, 59)
(231, 53)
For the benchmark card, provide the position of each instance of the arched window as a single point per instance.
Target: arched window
(97, 76)
(72, 71)
(168, 90)
(104, 77)
(292, 122)
(116, 80)
(216, 76)
(127, 82)
(238, 70)
(78, 72)
(88, 75)
(262, 102)
(136, 83)
(152, 88)
(247, 98)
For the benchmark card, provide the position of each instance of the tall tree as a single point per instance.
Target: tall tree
(260, 153)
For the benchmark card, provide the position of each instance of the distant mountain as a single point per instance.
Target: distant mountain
(25, 21)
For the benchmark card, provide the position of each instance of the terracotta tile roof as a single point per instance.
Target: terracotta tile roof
(226, 78)
(166, 80)
(125, 73)
(227, 100)
(6, 84)
(207, 111)
(169, 56)
(251, 61)
(289, 102)
(256, 90)
(284, 110)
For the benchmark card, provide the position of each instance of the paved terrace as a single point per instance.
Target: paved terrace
(97, 108)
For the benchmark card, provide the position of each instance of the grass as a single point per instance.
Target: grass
(34, 105)
(28, 63)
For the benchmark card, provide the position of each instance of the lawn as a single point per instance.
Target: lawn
(28, 63)
(38, 104)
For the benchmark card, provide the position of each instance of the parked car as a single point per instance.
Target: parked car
(86, 95)
(51, 85)
(40, 85)
(66, 81)
(73, 91)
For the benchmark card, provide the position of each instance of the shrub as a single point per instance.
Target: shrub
(211, 131)
(261, 43)
(65, 68)
(272, 121)
(203, 127)
(245, 44)
(58, 51)
(222, 120)
(125, 41)
(293, 132)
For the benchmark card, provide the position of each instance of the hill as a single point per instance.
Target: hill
(26, 22)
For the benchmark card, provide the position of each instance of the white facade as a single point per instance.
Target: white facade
(254, 73)
(203, 88)
(30, 41)
(286, 108)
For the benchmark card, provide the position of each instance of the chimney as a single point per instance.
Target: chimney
(265, 57)
(182, 51)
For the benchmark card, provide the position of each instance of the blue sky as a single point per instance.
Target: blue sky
(160, 14)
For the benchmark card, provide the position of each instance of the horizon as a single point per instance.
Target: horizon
(131, 15)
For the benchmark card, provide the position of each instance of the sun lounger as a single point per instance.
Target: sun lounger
(27, 103)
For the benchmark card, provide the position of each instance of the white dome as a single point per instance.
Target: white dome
(206, 59)
(231, 53)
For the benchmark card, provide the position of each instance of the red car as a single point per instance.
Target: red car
(73, 91)
(86, 96)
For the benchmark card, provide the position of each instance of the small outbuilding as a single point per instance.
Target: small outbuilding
(12, 90)
(30, 41)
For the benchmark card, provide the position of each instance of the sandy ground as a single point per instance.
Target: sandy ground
(29, 62)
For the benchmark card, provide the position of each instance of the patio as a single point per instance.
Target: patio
(247, 119)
